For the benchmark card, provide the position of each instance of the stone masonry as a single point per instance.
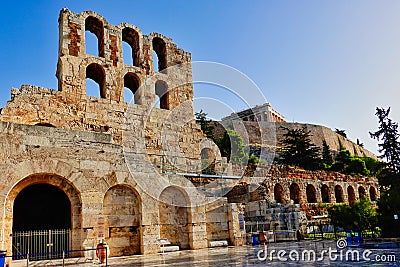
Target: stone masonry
(111, 158)
(132, 170)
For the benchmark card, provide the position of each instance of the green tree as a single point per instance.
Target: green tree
(327, 158)
(359, 215)
(232, 146)
(388, 134)
(350, 164)
(388, 207)
(364, 214)
(359, 143)
(253, 159)
(201, 118)
(341, 132)
(389, 176)
(298, 149)
(373, 166)
(356, 166)
(342, 159)
(340, 216)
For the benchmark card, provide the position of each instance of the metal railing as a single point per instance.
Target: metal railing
(41, 244)
(88, 257)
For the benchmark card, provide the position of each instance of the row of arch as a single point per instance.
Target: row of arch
(295, 194)
(121, 210)
(131, 37)
(132, 83)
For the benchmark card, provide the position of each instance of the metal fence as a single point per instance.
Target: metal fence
(41, 244)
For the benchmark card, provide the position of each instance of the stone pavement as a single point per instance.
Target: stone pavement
(247, 256)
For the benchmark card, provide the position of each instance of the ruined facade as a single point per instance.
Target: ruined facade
(110, 159)
(128, 173)
(264, 112)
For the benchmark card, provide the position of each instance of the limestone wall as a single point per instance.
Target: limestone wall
(274, 216)
(92, 171)
(114, 160)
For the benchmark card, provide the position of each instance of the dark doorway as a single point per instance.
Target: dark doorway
(41, 207)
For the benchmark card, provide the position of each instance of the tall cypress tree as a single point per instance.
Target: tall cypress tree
(201, 118)
(389, 177)
(326, 154)
(389, 146)
(298, 149)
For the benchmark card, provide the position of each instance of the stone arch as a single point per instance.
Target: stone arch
(54, 180)
(372, 193)
(122, 214)
(161, 91)
(96, 72)
(207, 161)
(351, 195)
(311, 194)
(339, 194)
(325, 194)
(174, 214)
(131, 37)
(41, 206)
(132, 82)
(295, 193)
(96, 26)
(209, 144)
(278, 194)
(160, 49)
(362, 192)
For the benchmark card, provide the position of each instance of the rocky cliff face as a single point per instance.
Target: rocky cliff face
(269, 134)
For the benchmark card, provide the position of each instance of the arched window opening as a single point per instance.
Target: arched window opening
(95, 26)
(160, 48)
(295, 193)
(207, 161)
(351, 194)
(131, 85)
(361, 192)
(372, 193)
(339, 194)
(311, 194)
(131, 38)
(91, 44)
(155, 61)
(325, 194)
(162, 94)
(278, 193)
(95, 73)
(127, 54)
(157, 100)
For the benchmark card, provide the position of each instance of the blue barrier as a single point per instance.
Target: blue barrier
(255, 239)
(2, 257)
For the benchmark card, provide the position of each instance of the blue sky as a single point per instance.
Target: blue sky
(324, 62)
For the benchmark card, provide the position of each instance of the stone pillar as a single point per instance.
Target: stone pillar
(236, 235)
(150, 226)
(149, 235)
(198, 229)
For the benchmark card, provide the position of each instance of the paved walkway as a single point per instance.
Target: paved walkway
(292, 254)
